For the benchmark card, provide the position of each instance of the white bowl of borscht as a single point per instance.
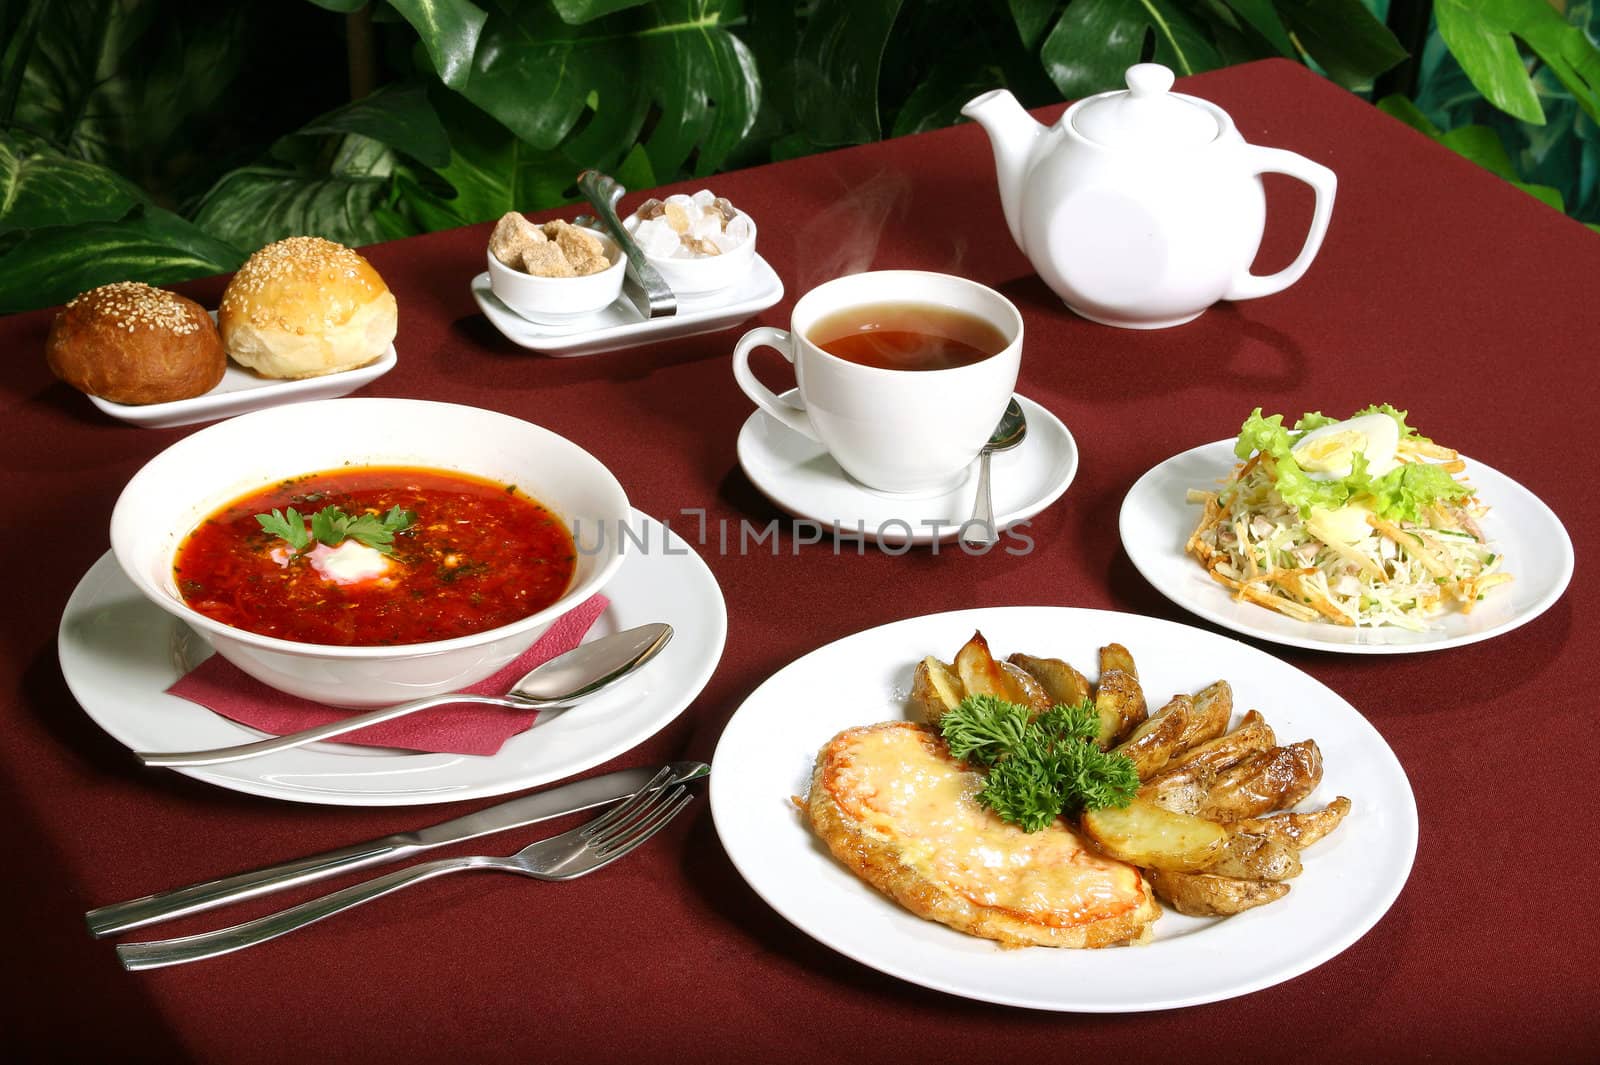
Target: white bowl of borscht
(360, 552)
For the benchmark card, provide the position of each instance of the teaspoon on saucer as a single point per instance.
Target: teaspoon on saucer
(553, 685)
(1007, 434)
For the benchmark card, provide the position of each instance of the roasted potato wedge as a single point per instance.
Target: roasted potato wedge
(1249, 857)
(1153, 743)
(935, 690)
(1252, 735)
(1183, 783)
(1119, 701)
(1116, 656)
(1209, 895)
(980, 674)
(1030, 692)
(1266, 780)
(1298, 831)
(1061, 683)
(1145, 835)
(1213, 709)
(1183, 793)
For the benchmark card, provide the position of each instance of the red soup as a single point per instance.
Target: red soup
(376, 555)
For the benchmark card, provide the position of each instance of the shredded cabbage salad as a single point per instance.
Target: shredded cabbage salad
(1315, 540)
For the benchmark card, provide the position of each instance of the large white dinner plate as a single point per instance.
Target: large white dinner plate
(766, 754)
(1156, 522)
(119, 653)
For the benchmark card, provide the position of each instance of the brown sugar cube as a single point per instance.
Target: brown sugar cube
(512, 235)
(583, 249)
(677, 217)
(651, 208)
(724, 208)
(699, 246)
(546, 260)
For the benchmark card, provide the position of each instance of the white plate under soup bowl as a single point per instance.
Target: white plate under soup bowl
(201, 473)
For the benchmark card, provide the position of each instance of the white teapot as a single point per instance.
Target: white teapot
(1142, 208)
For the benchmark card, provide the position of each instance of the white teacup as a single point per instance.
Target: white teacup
(907, 431)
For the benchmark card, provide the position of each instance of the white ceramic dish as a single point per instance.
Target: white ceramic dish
(1156, 522)
(241, 391)
(621, 326)
(119, 654)
(797, 474)
(178, 488)
(1351, 878)
(559, 301)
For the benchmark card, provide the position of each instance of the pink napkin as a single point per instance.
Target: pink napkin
(460, 728)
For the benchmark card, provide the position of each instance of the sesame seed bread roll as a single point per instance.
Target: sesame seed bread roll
(134, 344)
(304, 307)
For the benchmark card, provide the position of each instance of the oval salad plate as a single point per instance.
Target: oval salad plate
(1350, 879)
(1156, 522)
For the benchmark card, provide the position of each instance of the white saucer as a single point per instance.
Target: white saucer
(620, 325)
(120, 652)
(798, 475)
(241, 391)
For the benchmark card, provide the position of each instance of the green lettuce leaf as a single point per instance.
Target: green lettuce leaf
(1404, 491)
(1398, 495)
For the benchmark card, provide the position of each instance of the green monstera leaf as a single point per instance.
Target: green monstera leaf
(1096, 41)
(491, 171)
(398, 116)
(53, 264)
(449, 30)
(674, 61)
(836, 70)
(1343, 37)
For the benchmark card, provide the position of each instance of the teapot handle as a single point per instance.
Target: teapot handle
(1246, 285)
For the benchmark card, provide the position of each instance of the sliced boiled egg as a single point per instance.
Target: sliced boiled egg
(1347, 525)
(1328, 453)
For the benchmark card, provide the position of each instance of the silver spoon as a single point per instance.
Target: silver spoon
(555, 685)
(1013, 426)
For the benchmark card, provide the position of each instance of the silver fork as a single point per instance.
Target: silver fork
(565, 857)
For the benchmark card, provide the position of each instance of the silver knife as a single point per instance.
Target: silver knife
(527, 810)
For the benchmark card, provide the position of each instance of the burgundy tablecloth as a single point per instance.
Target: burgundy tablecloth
(1439, 288)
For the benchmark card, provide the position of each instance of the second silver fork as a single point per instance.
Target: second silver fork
(565, 857)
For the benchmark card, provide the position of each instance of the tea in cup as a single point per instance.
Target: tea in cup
(902, 374)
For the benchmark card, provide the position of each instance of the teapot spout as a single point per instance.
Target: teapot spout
(1013, 133)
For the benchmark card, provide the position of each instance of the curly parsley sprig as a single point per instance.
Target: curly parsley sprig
(1040, 767)
(332, 526)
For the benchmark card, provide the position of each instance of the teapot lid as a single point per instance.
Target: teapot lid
(1148, 115)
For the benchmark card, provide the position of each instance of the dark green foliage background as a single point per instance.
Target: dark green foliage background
(166, 139)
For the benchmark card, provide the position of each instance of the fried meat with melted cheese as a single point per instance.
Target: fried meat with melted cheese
(894, 806)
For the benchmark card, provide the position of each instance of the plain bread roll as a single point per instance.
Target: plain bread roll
(306, 306)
